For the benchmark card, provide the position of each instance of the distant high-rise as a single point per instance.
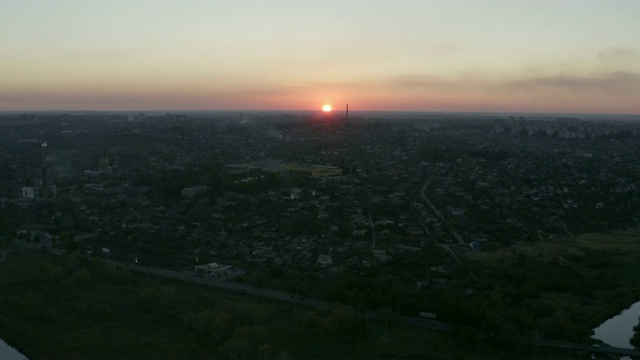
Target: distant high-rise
(44, 192)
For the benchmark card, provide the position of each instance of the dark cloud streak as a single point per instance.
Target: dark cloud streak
(611, 83)
(617, 82)
(618, 55)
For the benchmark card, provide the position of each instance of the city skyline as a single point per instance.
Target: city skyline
(484, 56)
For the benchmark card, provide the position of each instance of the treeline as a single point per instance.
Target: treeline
(635, 340)
(77, 307)
(82, 308)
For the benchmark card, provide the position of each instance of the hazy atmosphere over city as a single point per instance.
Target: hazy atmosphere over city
(573, 56)
(279, 180)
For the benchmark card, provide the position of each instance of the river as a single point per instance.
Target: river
(618, 330)
(9, 353)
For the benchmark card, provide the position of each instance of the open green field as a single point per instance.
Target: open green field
(566, 284)
(55, 307)
(622, 243)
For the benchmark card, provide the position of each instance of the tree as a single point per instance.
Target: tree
(221, 325)
(201, 322)
(635, 340)
(81, 277)
(71, 246)
(383, 341)
(328, 326)
(258, 333)
(264, 350)
(387, 315)
(234, 348)
(251, 313)
(311, 321)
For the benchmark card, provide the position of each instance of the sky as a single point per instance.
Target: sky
(572, 56)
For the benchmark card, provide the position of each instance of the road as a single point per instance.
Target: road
(85, 237)
(564, 227)
(439, 215)
(23, 245)
(227, 285)
(373, 231)
(424, 197)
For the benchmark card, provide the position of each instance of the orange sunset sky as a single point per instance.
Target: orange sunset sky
(576, 56)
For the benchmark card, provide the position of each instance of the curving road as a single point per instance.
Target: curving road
(437, 212)
(424, 197)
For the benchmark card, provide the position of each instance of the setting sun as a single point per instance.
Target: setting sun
(326, 108)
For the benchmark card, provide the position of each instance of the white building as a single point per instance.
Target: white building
(324, 260)
(191, 192)
(28, 192)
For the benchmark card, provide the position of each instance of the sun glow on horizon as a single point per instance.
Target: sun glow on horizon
(387, 58)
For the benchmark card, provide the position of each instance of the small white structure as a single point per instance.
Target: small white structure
(28, 192)
(213, 269)
(359, 232)
(91, 173)
(381, 255)
(191, 192)
(428, 315)
(324, 260)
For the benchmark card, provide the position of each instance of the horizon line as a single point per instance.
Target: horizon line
(335, 110)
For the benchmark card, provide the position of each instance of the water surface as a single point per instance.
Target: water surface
(9, 353)
(618, 330)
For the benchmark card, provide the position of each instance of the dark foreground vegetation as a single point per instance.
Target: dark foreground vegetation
(55, 307)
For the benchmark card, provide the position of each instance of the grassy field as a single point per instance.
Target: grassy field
(622, 243)
(584, 278)
(71, 308)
